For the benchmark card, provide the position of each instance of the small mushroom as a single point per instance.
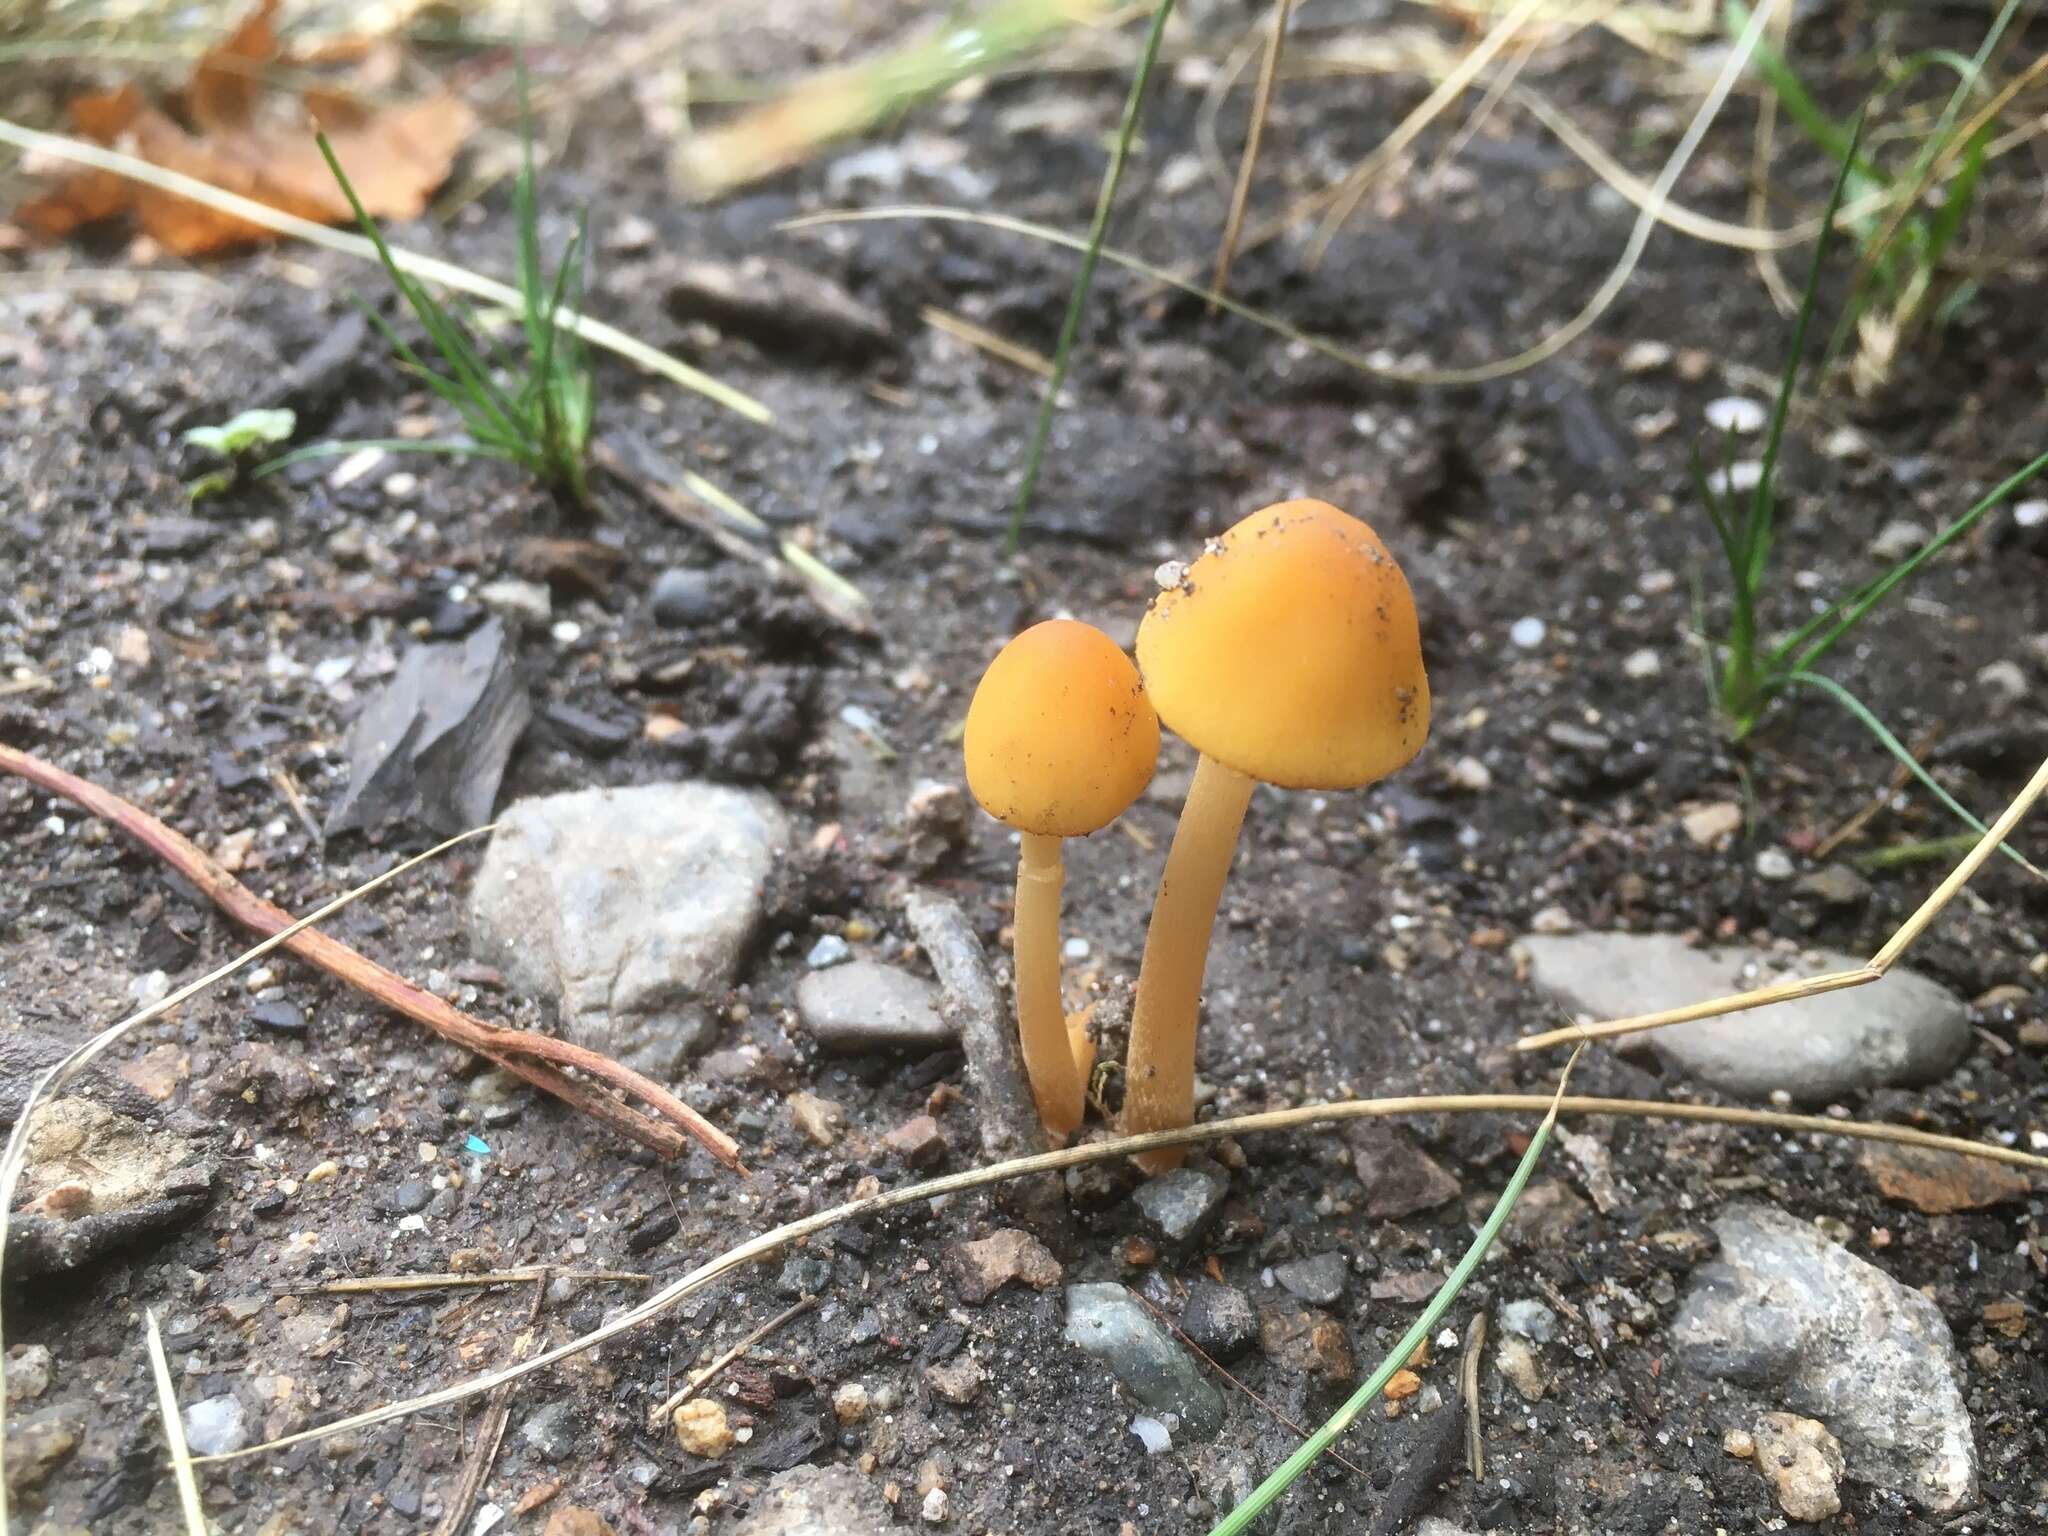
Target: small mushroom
(1060, 740)
(1288, 652)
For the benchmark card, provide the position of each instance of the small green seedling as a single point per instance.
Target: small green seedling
(1745, 673)
(232, 440)
(535, 410)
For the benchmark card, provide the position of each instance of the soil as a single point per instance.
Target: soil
(1363, 943)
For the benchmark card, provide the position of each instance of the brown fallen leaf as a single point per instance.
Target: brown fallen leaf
(233, 135)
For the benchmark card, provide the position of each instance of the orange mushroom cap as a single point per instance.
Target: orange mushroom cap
(1290, 651)
(1060, 736)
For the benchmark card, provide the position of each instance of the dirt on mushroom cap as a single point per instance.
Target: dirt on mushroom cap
(1060, 736)
(1290, 651)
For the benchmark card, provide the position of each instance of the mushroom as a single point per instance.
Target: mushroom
(1289, 653)
(1060, 740)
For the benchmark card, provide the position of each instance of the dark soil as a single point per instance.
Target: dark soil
(1363, 946)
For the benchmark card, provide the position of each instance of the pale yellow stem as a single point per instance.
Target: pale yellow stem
(1056, 1082)
(1159, 1078)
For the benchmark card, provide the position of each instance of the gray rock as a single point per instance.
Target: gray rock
(865, 1006)
(780, 307)
(1107, 1322)
(1904, 1029)
(684, 598)
(1399, 1178)
(1181, 1205)
(828, 951)
(1320, 1280)
(817, 1501)
(412, 1195)
(1530, 1318)
(804, 1274)
(1219, 1319)
(216, 1426)
(1005, 1111)
(1833, 885)
(1787, 1310)
(431, 745)
(551, 1428)
(628, 908)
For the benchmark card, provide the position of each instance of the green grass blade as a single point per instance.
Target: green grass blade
(1897, 748)
(1847, 614)
(452, 447)
(1098, 231)
(1955, 202)
(1285, 1475)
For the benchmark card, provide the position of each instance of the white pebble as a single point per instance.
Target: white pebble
(1528, 633)
(2030, 514)
(1155, 1435)
(1738, 478)
(1075, 949)
(567, 631)
(1775, 864)
(1642, 664)
(935, 1506)
(1733, 413)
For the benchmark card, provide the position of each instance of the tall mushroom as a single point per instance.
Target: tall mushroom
(1060, 740)
(1288, 652)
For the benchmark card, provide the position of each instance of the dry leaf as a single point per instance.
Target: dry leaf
(242, 141)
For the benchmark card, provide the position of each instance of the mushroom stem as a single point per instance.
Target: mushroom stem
(1159, 1077)
(1056, 1080)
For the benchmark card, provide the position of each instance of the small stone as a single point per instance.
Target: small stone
(935, 1508)
(828, 951)
(685, 598)
(2034, 1034)
(1775, 864)
(1552, 919)
(867, 1006)
(36, 1448)
(514, 598)
(277, 1014)
(918, 1142)
(1734, 413)
(1399, 1178)
(2005, 682)
(1108, 1323)
(1898, 539)
(149, 989)
(1833, 885)
(1738, 1443)
(1645, 356)
(574, 1520)
(987, 1264)
(957, 1380)
(1940, 1183)
(804, 1274)
(1320, 1280)
(1531, 1319)
(1527, 633)
(1642, 665)
(551, 1428)
(701, 1428)
(1736, 479)
(815, 1500)
(1832, 1335)
(1470, 775)
(1401, 1386)
(1182, 1204)
(160, 1072)
(1308, 1342)
(1803, 1464)
(28, 1372)
(412, 1195)
(1517, 1363)
(850, 1403)
(820, 1120)
(1218, 1320)
(216, 1426)
(1706, 825)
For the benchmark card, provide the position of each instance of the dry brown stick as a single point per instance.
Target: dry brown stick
(1262, 102)
(476, 1467)
(540, 1059)
(353, 1286)
(1901, 777)
(699, 1380)
(1834, 981)
(1468, 1384)
(1210, 1360)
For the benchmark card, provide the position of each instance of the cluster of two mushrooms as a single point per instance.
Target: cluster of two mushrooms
(1287, 653)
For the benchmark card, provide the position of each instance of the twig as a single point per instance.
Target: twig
(1262, 101)
(1209, 1360)
(490, 1434)
(1468, 1388)
(539, 1059)
(695, 503)
(1835, 981)
(1901, 777)
(376, 1283)
(775, 1240)
(962, 329)
(701, 1379)
(174, 1431)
